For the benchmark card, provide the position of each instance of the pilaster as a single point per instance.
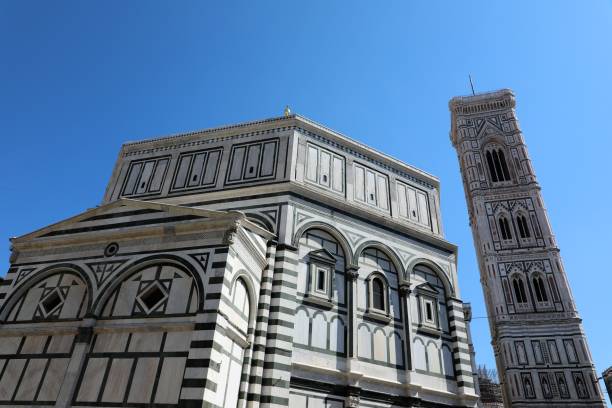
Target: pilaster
(279, 344)
(261, 328)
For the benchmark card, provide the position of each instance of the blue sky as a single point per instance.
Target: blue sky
(80, 78)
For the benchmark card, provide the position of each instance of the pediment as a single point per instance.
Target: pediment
(124, 214)
(426, 288)
(323, 255)
(489, 126)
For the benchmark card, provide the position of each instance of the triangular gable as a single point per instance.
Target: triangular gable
(323, 255)
(488, 126)
(114, 215)
(427, 287)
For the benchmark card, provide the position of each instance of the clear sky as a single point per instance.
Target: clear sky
(80, 78)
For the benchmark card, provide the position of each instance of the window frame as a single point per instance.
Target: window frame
(384, 314)
(495, 156)
(428, 295)
(320, 261)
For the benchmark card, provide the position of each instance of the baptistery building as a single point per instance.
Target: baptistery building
(274, 263)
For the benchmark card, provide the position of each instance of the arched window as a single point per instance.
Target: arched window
(519, 290)
(540, 291)
(498, 168)
(378, 294)
(523, 228)
(504, 228)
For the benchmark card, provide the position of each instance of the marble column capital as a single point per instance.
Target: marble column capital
(352, 272)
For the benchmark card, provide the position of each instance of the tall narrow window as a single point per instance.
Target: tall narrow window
(504, 166)
(491, 167)
(496, 160)
(523, 228)
(429, 312)
(498, 166)
(519, 290)
(504, 228)
(540, 291)
(378, 294)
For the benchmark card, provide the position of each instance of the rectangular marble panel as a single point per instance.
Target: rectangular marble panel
(381, 190)
(178, 298)
(196, 170)
(324, 176)
(212, 166)
(312, 163)
(74, 301)
(183, 171)
(237, 163)
(370, 187)
(10, 378)
(147, 170)
(133, 176)
(92, 379)
(31, 379)
(359, 183)
(158, 175)
(116, 383)
(60, 343)
(297, 401)
(338, 174)
(9, 345)
(268, 159)
(111, 342)
(126, 298)
(33, 345)
(146, 342)
(423, 211)
(177, 341)
(170, 380)
(143, 381)
(252, 163)
(412, 204)
(53, 380)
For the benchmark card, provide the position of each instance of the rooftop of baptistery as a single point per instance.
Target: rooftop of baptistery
(259, 156)
(293, 120)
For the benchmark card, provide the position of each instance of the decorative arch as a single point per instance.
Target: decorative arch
(141, 264)
(448, 286)
(331, 230)
(391, 254)
(41, 275)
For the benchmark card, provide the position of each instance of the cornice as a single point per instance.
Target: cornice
(495, 101)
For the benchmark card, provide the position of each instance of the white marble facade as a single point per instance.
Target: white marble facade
(270, 263)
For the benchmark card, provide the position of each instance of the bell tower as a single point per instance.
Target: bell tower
(539, 343)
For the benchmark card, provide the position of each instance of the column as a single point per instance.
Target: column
(404, 291)
(352, 274)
